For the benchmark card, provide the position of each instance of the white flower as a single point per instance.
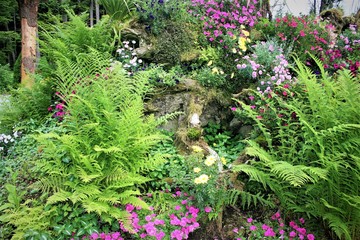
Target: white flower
(140, 61)
(133, 41)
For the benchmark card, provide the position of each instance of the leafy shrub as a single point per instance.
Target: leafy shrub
(157, 14)
(210, 77)
(316, 155)
(102, 156)
(6, 78)
(26, 108)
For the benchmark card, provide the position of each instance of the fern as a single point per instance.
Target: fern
(102, 153)
(316, 156)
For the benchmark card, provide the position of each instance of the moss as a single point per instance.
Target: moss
(194, 133)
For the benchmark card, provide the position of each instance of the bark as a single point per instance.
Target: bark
(91, 13)
(97, 11)
(29, 27)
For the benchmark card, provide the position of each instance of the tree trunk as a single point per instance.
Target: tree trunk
(97, 11)
(91, 13)
(29, 27)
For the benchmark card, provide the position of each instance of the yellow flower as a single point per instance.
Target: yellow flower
(221, 72)
(196, 170)
(210, 160)
(197, 181)
(223, 160)
(201, 179)
(246, 33)
(242, 26)
(233, 50)
(209, 63)
(242, 43)
(215, 70)
(196, 149)
(232, 75)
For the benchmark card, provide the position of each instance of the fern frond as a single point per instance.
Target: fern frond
(338, 226)
(61, 196)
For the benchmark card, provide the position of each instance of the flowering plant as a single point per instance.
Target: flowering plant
(301, 34)
(6, 141)
(175, 220)
(205, 181)
(267, 66)
(344, 53)
(275, 227)
(128, 57)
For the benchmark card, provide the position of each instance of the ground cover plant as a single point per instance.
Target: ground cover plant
(83, 157)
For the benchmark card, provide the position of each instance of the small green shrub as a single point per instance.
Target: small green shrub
(210, 77)
(6, 78)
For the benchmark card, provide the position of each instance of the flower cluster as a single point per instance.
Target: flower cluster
(177, 223)
(223, 19)
(267, 65)
(275, 228)
(6, 141)
(301, 34)
(344, 53)
(128, 57)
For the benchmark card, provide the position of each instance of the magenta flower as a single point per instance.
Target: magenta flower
(249, 220)
(310, 237)
(177, 208)
(269, 232)
(292, 234)
(265, 227)
(207, 209)
(252, 228)
(177, 234)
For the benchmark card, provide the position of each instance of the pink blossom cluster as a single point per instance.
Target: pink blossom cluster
(177, 225)
(223, 19)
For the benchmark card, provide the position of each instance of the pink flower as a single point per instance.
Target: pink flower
(249, 220)
(235, 230)
(252, 106)
(259, 117)
(302, 221)
(129, 208)
(302, 33)
(269, 232)
(251, 98)
(177, 208)
(253, 228)
(284, 93)
(265, 227)
(292, 234)
(310, 237)
(207, 209)
(275, 216)
(233, 109)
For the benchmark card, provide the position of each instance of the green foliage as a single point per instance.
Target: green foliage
(163, 176)
(118, 10)
(315, 156)
(23, 216)
(210, 77)
(158, 14)
(65, 41)
(6, 78)
(102, 156)
(172, 41)
(158, 76)
(26, 107)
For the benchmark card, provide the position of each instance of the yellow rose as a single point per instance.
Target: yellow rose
(196, 170)
(210, 160)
